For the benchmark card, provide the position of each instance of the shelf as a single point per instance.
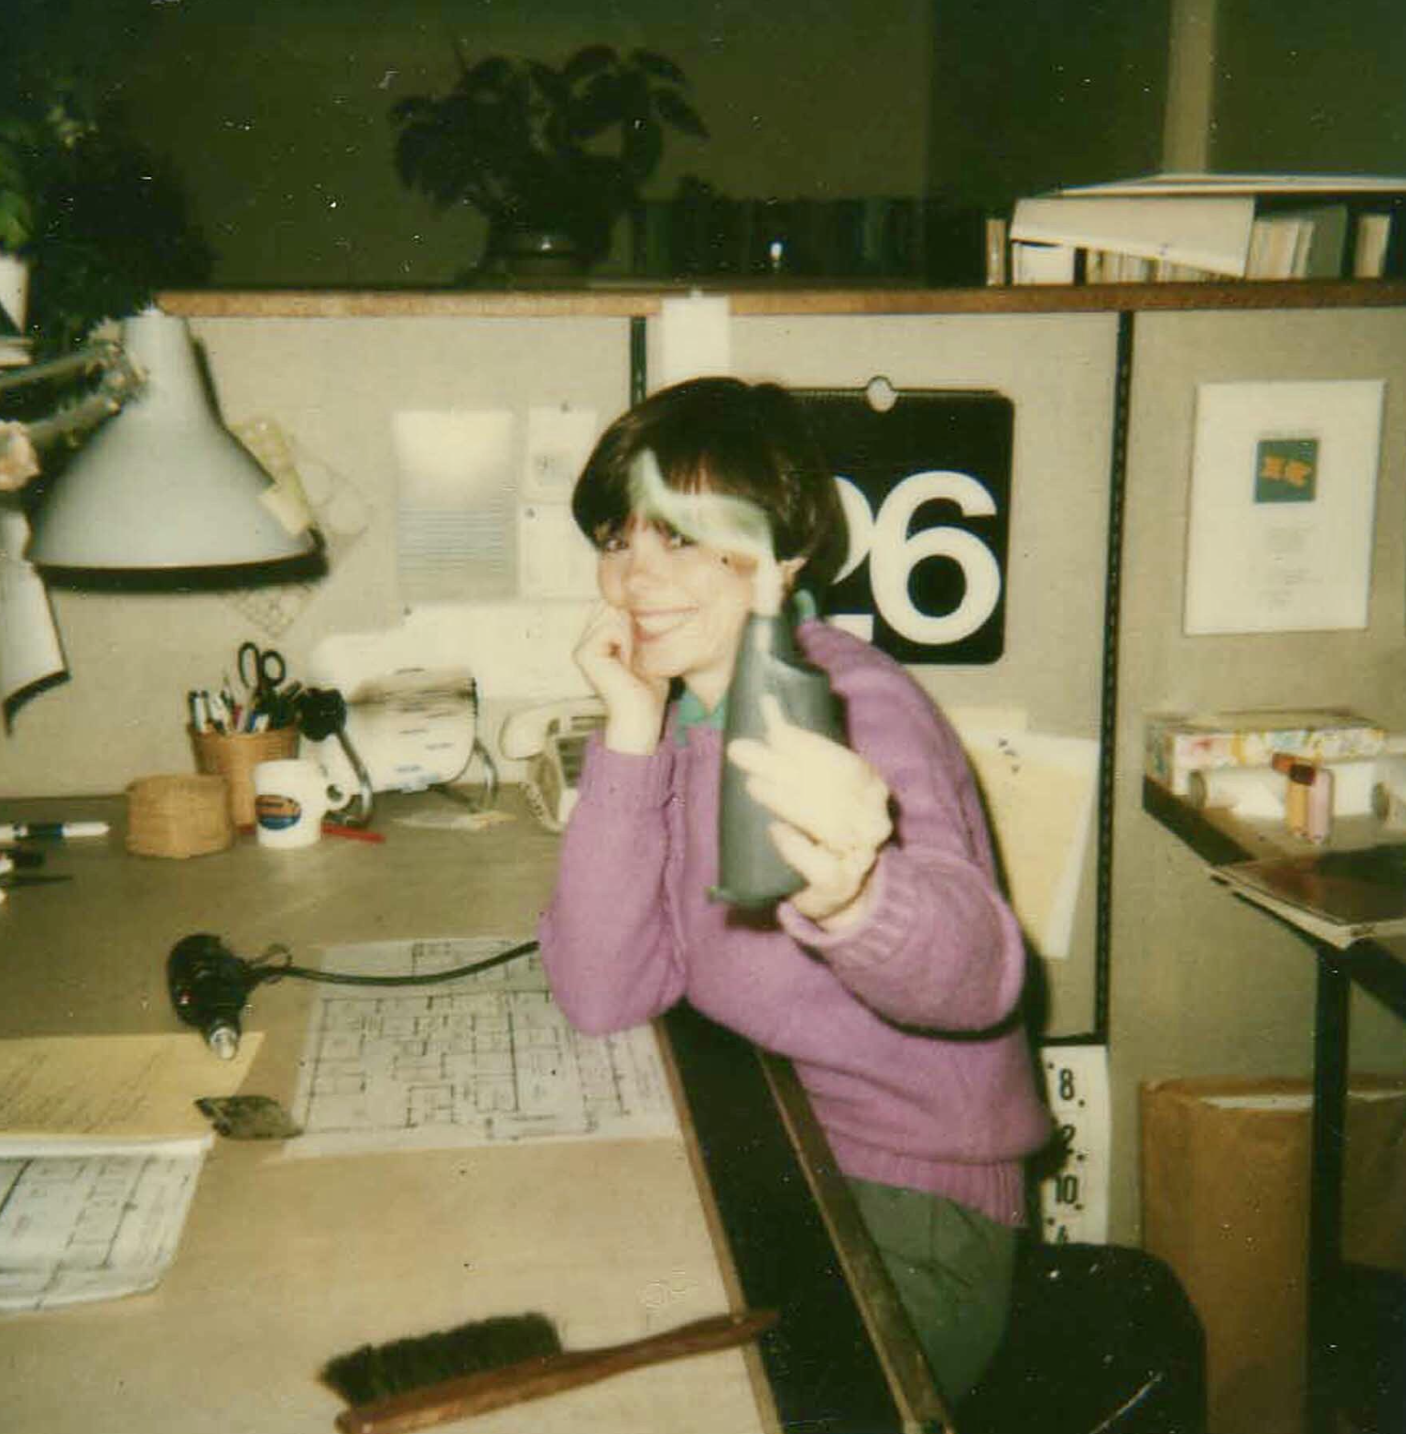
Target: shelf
(769, 297)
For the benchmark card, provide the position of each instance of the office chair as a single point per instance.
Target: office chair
(1101, 1340)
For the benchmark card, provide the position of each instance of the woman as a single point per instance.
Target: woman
(892, 979)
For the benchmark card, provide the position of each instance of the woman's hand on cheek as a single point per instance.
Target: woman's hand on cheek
(832, 811)
(634, 704)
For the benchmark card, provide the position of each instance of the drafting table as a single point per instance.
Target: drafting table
(1378, 967)
(286, 1262)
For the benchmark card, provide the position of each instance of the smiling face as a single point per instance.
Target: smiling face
(687, 605)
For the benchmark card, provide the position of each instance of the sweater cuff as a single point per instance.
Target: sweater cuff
(623, 779)
(882, 931)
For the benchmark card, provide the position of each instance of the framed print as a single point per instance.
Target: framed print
(1283, 490)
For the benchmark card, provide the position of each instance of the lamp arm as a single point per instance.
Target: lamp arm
(103, 354)
(119, 379)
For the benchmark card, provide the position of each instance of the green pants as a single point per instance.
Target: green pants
(952, 1270)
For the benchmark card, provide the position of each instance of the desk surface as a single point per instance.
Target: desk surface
(286, 1262)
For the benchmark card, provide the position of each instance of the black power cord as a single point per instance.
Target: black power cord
(267, 972)
(209, 985)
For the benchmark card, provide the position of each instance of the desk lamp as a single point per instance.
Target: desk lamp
(162, 488)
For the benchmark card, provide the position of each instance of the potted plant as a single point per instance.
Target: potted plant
(27, 131)
(550, 157)
(99, 221)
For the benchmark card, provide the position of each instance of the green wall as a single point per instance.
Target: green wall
(1307, 86)
(277, 114)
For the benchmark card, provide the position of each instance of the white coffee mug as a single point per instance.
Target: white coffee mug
(290, 801)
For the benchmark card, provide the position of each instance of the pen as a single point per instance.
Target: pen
(53, 831)
(21, 856)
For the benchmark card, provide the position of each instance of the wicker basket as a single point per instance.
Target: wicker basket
(178, 816)
(235, 757)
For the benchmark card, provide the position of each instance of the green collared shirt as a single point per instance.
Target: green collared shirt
(690, 712)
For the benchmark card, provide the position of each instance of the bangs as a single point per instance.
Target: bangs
(720, 435)
(603, 508)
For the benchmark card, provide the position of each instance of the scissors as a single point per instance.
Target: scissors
(261, 670)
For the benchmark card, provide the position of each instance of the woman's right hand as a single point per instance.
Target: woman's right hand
(634, 704)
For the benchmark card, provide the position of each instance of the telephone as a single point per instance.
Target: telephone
(552, 739)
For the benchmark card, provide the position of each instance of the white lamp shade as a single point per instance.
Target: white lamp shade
(163, 485)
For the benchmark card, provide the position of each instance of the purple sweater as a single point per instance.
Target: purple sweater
(630, 930)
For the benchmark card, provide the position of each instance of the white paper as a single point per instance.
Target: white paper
(554, 558)
(1039, 791)
(516, 651)
(1283, 491)
(30, 654)
(559, 441)
(306, 484)
(694, 340)
(91, 1220)
(487, 1059)
(457, 478)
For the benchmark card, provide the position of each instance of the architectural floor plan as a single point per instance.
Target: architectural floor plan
(482, 1059)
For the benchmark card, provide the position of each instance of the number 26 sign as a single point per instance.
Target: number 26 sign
(926, 485)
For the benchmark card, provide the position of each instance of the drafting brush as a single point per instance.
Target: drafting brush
(430, 1379)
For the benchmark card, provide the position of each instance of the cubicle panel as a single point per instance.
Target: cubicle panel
(1031, 716)
(1205, 985)
(328, 393)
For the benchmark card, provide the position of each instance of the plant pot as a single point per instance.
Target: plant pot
(525, 255)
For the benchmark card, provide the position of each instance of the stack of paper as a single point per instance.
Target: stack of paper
(101, 1146)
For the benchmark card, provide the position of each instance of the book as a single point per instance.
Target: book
(1183, 227)
(1326, 241)
(1338, 896)
(997, 251)
(1043, 263)
(1278, 247)
(1209, 233)
(1370, 245)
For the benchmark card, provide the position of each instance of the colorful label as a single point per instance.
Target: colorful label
(276, 813)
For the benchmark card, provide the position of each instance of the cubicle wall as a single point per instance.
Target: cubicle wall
(1198, 986)
(1202, 983)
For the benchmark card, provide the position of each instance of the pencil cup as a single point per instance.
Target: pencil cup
(234, 758)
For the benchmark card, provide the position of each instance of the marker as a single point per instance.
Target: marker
(51, 831)
(354, 833)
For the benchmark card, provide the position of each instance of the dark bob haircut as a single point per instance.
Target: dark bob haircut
(724, 436)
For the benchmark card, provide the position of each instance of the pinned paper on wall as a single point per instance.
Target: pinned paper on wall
(554, 558)
(307, 485)
(1039, 792)
(559, 441)
(1283, 489)
(457, 474)
(694, 339)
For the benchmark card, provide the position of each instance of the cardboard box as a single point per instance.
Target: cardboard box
(1178, 745)
(1225, 1196)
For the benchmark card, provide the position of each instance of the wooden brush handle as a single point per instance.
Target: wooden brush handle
(547, 1374)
